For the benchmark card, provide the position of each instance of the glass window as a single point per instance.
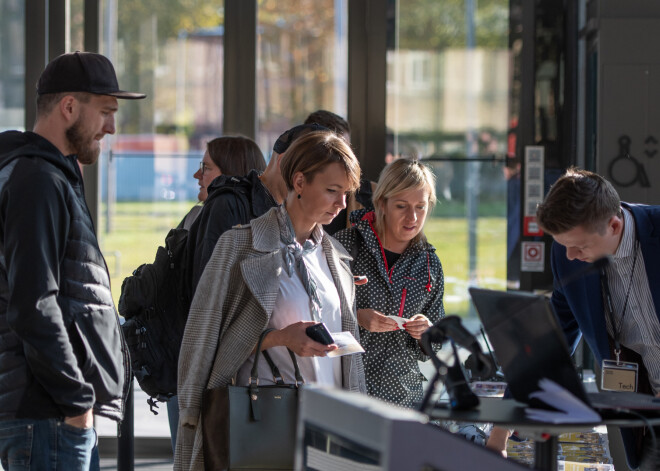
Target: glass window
(173, 52)
(447, 103)
(76, 34)
(302, 63)
(12, 65)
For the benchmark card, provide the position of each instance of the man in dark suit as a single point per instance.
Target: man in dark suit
(615, 307)
(614, 303)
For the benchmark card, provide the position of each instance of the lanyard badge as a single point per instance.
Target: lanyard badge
(617, 375)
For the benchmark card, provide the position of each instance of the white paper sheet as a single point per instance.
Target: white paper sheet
(399, 320)
(347, 344)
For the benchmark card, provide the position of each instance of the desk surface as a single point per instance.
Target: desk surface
(511, 414)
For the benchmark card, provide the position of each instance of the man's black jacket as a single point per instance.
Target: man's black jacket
(230, 201)
(61, 348)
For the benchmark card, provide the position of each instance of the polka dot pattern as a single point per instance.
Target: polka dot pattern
(390, 358)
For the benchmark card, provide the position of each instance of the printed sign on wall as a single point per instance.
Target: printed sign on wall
(533, 256)
(534, 162)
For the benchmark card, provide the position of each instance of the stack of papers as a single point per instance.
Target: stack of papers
(570, 409)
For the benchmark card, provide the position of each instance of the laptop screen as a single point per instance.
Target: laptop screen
(528, 342)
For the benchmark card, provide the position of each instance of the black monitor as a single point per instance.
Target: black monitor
(528, 342)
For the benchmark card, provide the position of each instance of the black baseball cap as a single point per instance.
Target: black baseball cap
(284, 141)
(82, 72)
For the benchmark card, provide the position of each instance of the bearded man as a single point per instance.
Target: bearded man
(62, 354)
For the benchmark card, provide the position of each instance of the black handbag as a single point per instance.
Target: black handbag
(251, 427)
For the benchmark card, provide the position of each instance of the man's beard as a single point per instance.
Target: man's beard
(84, 147)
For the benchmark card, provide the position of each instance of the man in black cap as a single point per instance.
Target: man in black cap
(62, 355)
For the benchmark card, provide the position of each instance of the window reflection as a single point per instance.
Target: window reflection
(302, 63)
(173, 52)
(447, 103)
(12, 64)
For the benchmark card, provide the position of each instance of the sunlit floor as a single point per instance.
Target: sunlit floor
(149, 464)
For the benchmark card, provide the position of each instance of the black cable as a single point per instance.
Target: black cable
(654, 441)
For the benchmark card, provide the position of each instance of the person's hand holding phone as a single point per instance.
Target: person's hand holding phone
(294, 336)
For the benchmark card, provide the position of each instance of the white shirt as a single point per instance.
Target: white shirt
(641, 329)
(293, 305)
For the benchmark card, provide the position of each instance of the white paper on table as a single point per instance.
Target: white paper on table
(571, 409)
(399, 320)
(347, 344)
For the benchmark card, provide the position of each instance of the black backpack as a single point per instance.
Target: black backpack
(155, 305)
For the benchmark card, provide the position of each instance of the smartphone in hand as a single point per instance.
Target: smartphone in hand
(319, 333)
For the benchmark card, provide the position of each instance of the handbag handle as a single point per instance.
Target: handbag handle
(254, 373)
(276, 372)
(253, 387)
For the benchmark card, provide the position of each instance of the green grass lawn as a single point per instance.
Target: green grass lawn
(450, 238)
(137, 229)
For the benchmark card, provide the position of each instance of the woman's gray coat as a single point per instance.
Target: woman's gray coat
(231, 307)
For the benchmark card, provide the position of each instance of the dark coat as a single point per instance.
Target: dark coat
(414, 285)
(579, 304)
(61, 347)
(230, 201)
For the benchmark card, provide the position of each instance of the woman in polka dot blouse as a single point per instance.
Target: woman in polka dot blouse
(405, 280)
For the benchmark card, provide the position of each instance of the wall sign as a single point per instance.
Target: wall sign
(534, 165)
(533, 256)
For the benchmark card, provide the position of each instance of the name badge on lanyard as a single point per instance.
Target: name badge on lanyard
(619, 376)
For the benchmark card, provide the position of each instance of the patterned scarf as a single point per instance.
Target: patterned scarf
(294, 257)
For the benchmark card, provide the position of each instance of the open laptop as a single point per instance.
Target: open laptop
(529, 345)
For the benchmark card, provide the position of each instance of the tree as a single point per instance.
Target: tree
(143, 26)
(434, 24)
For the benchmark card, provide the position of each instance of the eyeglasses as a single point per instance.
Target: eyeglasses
(202, 167)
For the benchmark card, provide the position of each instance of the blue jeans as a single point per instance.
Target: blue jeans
(28, 444)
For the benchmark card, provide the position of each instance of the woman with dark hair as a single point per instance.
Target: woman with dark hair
(228, 155)
(403, 294)
(279, 272)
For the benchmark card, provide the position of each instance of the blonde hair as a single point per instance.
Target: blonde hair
(397, 177)
(313, 152)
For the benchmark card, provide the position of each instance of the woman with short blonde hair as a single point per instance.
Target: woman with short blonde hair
(405, 284)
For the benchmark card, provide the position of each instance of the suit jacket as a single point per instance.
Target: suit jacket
(231, 307)
(579, 304)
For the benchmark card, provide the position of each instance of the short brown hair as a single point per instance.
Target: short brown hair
(47, 102)
(236, 155)
(399, 176)
(578, 198)
(313, 152)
